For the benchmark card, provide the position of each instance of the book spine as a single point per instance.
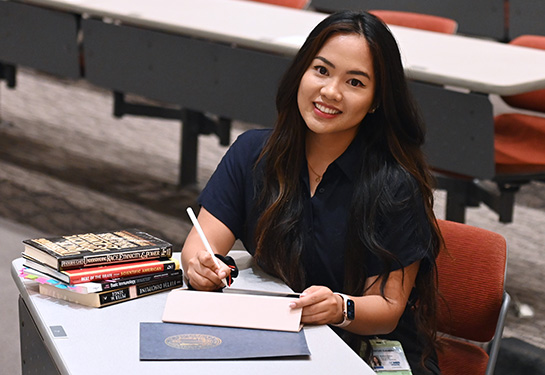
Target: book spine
(123, 270)
(135, 291)
(100, 286)
(107, 285)
(114, 257)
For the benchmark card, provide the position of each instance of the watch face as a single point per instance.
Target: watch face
(350, 309)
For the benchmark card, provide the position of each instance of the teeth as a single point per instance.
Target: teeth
(329, 111)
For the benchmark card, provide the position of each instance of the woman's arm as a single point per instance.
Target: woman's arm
(198, 265)
(374, 315)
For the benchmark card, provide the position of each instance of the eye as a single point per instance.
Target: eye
(321, 69)
(355, 82)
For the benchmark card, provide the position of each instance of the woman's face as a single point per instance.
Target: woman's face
(337, 89)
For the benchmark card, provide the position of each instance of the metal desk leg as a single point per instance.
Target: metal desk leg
(7, 73)
(190, 147)
(193, 124)
(35, 358)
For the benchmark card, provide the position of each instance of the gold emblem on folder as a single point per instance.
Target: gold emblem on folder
(193, 341)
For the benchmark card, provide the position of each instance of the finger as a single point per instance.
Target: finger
(322, 313)
(203, 272)
(305, 301)
(320, 306)
(220, 268)
(207, 260)
(203, 281)
(315, 318)
(308, 297)
(223, 271)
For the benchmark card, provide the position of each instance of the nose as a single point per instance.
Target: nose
(331, 90)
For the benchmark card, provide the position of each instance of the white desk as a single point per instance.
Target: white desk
(470, 63)
(106, 341)
(475, 64)
(246, 23)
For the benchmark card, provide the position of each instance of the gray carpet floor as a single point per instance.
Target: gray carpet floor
(67, 165)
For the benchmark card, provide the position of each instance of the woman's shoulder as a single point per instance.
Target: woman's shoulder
(253, 137)
(248, 145)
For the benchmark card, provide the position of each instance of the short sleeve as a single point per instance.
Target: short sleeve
(228, 194)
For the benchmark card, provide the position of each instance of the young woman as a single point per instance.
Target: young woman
(336, 199)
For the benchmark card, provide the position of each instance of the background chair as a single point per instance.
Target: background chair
(298, 4)
(473, 302)
(519, 143)
(417, 21)
(520, 138)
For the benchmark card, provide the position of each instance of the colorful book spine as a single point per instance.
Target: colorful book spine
(85, 275)
(97, 286)
(111, 297)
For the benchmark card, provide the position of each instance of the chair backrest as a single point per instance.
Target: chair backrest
(535, 100)
(518, 141)
(518, 145)
(472, 302)
(417, 20)
(298, 4)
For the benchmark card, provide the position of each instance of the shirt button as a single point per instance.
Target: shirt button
(321, 190)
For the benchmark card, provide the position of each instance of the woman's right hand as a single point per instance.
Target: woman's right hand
(203, 273)
(198, 264)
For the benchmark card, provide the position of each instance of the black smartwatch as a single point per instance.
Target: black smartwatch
(349, 311)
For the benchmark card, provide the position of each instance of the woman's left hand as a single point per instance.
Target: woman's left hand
(320, 306)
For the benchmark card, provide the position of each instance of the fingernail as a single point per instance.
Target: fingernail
(292, 305)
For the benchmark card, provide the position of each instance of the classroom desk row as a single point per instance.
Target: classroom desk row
(225, 57)
(59, 337)
(497, 19)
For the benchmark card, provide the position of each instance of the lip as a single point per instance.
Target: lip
(325, 111)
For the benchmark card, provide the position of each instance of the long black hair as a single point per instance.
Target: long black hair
(393, 137)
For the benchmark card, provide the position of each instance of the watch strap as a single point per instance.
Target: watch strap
(346, 321)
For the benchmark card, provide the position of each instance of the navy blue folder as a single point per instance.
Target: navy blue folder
(173, 341)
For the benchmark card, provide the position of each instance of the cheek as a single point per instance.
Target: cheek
(366, 103)
(305, 85)
(299, 100)
(301, 96)
(363, 108)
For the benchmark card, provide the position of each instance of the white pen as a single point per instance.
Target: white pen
(203, 238)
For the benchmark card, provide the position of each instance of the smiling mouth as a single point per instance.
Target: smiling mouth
(329, 111)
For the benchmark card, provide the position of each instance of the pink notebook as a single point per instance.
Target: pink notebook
(270, 311)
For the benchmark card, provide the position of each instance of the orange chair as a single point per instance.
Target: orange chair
(473, 303)
(519, 143)
(520, 138)
(417, 21)
(298, 4)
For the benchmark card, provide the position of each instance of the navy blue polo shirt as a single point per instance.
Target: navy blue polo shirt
(230, 196)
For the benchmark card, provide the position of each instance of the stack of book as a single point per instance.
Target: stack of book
(101, 269)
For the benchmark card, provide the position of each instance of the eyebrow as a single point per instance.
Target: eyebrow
(356, 72)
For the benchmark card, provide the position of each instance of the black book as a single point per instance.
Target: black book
(96, 249)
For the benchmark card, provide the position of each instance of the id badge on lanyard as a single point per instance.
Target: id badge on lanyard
(388, 358)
